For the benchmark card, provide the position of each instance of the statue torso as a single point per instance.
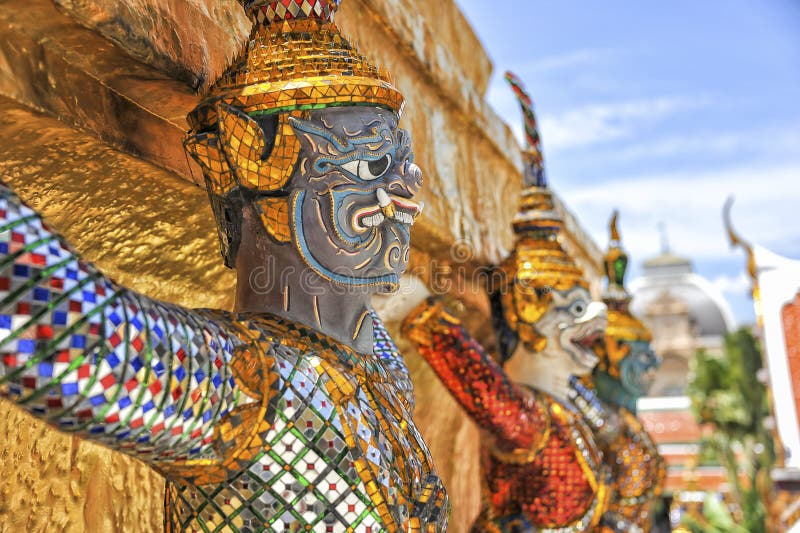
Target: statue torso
(638, 458)
(562, 487)
(637, 469)
(326, 443)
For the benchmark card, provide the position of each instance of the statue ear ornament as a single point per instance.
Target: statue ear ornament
(274, 213)
(204, 148)
(244, 145)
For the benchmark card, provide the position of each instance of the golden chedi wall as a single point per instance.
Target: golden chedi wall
(91, 123)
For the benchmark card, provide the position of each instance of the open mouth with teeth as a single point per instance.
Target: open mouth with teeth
(389, 206)
(586, 343)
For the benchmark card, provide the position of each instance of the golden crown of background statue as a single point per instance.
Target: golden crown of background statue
(538, 264)
(622, 325)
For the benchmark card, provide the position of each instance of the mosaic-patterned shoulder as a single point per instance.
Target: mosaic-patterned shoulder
(389, 355)
(331, 432)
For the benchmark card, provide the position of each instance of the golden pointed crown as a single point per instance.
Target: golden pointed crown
(538, 263)
(296, 59)
(538, 225)
(622, 325)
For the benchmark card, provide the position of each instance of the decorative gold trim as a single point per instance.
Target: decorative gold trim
(243, 143)
(274, 214)
(236, 442)
(360, 324)
(300, 64)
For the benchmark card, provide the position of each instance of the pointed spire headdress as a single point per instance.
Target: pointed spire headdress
(623, 326)
(296, 58)
(538, 224)
(538, 264)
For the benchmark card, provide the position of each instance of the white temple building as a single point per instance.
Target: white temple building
(684, 311)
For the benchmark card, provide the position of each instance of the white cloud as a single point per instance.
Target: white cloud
(766, 141)
(604, 123)
(740, 285)
(593, 124)
(569, 60)
(690, 204)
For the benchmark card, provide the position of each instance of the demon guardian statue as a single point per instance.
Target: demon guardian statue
(542, 469)
(294, 412)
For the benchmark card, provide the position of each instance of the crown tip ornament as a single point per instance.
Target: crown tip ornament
(612, 226)
(265, 12)
(537, 214)
(534, 174)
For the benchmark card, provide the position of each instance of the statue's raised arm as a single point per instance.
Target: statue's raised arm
(294, 412)
(517, 421)
(92, 358)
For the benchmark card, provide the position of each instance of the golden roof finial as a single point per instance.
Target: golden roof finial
(736, 240)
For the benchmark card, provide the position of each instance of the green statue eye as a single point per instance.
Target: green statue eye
(620, 266)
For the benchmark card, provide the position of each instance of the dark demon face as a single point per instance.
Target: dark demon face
(351, 197)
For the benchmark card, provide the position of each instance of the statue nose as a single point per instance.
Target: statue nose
(414, 173)
(408, 181)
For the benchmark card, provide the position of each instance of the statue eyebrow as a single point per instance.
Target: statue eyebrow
(352, 134)
(342, 145)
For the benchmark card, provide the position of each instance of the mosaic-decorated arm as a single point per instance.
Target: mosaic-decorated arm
(108, 364)
(515, 419)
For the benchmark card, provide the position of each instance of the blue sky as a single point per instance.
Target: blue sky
(662, 109)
